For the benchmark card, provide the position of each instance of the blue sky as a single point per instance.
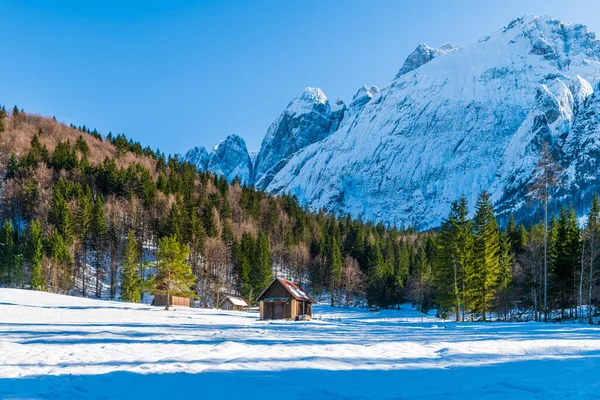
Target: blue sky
(175, 74)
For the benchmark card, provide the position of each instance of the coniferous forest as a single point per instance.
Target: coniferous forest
(102, 216)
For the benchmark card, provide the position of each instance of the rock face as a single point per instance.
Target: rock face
(453, 121)
(230, 158)
(422, 55)
(199, 157)
(308, 119)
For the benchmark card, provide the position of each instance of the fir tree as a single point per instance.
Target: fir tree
(130, 278)
(8, 254)
(35, 255)
(483, 282)
(61, 272)
(97, 240)
(456, 248)
(592, 233)
(2, 119)
(262, 267)
(61, 215)
(174, 276)
(83, 219)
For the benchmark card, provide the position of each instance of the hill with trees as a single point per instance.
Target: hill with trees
(102, 216)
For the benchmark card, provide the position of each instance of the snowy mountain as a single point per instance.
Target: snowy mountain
(199, 157)
(308, 119)
(231, 159)
(455, 120)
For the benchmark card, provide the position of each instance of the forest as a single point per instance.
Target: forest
(102, 216)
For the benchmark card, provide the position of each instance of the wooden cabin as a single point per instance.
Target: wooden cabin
(234, 303)
(284, 299)
(161, 300)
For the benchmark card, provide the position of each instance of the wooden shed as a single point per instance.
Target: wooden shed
(234, 303)
(284, 299)
(160, 300)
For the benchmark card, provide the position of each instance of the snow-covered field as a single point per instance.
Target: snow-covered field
(59, 347)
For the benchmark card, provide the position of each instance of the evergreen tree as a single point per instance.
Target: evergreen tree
(8, 254)
(261, 273)
(2, 119)
(456, 248)
(35, 256)
(566, 259)
(62, 261)
(131, 281)
(174, 276)
(591, 234)
(334, 261)
(505, 274)
(83, 219)
(483, 282)
(97, 240)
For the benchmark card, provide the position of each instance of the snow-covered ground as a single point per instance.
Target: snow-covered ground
(59, 347)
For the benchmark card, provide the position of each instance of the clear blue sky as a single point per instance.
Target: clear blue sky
(175, 74)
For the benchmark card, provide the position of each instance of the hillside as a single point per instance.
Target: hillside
(71, 198)
(73, 348)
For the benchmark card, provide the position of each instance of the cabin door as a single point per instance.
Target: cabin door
(278, 311)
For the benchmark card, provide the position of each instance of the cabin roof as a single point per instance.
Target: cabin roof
(292, 288)
(236, 301)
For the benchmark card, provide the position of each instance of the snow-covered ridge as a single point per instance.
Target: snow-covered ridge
(454, 120)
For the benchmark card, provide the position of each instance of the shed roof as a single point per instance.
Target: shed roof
(292, 288)
(236, 301)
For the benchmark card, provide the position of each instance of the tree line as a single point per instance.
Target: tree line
(75, 223)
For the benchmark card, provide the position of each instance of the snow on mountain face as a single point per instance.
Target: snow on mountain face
(231, 159)
(456, 121)
(307, 119)
(199, 157)
(422, 55)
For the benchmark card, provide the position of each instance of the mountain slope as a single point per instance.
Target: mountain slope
(465, 120)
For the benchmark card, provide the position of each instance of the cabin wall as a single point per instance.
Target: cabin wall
(227, 306)
(276, 290)
(160, 300)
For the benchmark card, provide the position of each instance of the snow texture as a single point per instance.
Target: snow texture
(61, 347)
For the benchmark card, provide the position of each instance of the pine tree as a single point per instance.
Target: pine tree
(174, 276)
(61, 216)
(505, 274)
(261, 273)
(334, 263)
(2, 119)
(242, 252)
(483, 282)
(592, 234)
(8, 254)
(423, 278)
(97, 240)
(35, 256)
(83, 219)
(62, 261)
(566, 257)
(131, 282)
(456, 248)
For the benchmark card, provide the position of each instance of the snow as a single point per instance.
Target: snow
(54, 346)
(236, 301)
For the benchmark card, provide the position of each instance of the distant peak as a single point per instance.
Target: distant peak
(306, 101)
(315, 95)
